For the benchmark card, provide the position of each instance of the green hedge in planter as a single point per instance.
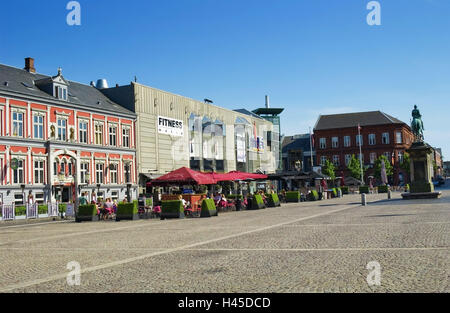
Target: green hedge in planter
(148, 201)
(258, 203)
(62, 207)
(172, 209)
(313, 196)
(127, 211)
(364, 189)
(20, 210)
(382, 189)
(345, 190)
(86, 213)
(43, 209)
(273, 200)
(235, 197)
(209, 208)
(293, 196)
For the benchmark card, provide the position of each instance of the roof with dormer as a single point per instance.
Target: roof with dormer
(23, 83)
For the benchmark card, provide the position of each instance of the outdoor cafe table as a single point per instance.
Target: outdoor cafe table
(193, 199)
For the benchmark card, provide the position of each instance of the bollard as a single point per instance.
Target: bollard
(363, 199)
(389, 195)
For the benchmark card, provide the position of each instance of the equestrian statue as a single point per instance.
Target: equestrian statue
(417, 125)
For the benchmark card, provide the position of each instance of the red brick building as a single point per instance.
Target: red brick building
(336, 139)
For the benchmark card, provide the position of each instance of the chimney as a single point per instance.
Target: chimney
(29, 65)
(267, 102)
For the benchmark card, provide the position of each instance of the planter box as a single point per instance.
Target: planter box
(273, 200)
(257, 203)
(172, 209)
(209, 208)
(127, 211)
(86, 213)
(293, 196)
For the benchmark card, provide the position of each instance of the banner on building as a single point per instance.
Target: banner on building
(170, 126)
(240, 148)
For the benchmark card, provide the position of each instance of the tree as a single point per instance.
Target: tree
(377, 167)
(405, 164)
(354, 167)
(329, 169)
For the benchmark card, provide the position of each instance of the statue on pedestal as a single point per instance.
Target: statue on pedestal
(417, 125)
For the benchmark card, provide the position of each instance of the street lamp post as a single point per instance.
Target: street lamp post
(22, 186)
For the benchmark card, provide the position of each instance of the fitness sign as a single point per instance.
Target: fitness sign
(170, 126)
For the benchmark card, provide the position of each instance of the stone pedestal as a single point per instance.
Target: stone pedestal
(421, 186)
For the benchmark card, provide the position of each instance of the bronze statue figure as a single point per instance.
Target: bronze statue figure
(417, 125)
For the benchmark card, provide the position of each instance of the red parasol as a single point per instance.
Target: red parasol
(184, 175)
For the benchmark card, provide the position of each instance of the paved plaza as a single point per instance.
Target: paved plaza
(320, 246)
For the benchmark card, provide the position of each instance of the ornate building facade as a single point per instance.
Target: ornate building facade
(59, 139)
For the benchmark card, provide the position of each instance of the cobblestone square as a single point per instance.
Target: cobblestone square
(320, 246)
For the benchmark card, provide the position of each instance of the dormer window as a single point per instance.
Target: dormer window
(60, 92)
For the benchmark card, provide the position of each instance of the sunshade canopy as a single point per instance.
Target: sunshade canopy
(186, 176)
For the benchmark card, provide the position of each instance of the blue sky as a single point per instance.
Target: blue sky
(311, 56)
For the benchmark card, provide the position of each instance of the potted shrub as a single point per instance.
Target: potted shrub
(364, 189)
(382, 189)
(172, 209)
(86, 213)
(209, 208)
(257, 203)
(313, 195)
(293, 196)
(273, 200)
(127, 211)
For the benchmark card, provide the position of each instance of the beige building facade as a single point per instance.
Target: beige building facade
(173, 131)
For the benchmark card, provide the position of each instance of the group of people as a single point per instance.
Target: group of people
(105, 209)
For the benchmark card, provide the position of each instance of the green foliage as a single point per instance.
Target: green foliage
(258, 202)
(148, 201)
(382, 189)
(62, 207)
(292, 196)
(345, 190)
(334, 190)
(273, 200)
(208, 208)
(172, 206)
(20, 210)
(354, 167)
(313, 196)
(126, 209)
(43, 209)
(377, 166)
(87, 210)
(329, 169)
(364, 189)
(405, 164)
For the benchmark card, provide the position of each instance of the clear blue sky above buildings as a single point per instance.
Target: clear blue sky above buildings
(311, 56)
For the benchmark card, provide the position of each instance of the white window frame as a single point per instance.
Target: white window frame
(348, 157)
(372, 139)
(323, 160)
(336, 160)
(347, 141)
(114, 173)
(397, 134)
(323, 143)
(373, 157)
(100, 169)
(38, 126)
(83, 133)
(62, 128)
(335, 142)
(99, 128)
(19, 123)
(126, 135)
(385, 138)
(22, 169)
(83, 172)
(39, 172)
(112, 135)
(400, 156)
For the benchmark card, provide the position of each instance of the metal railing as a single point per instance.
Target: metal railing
(32, 211)
(53, 209)
(8, 212)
